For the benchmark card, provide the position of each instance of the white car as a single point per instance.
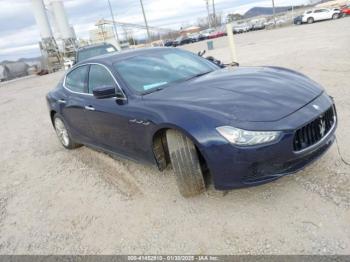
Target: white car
(320, 14)
(207, 32)
(241, 28)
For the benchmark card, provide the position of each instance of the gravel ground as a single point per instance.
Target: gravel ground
(85, 202)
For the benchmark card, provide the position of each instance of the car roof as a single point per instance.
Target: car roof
(321, 8)
(110, 58)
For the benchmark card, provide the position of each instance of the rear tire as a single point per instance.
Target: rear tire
(63, 133)
(310, 20)
(185, 163)
(298, 22)
(335, 16)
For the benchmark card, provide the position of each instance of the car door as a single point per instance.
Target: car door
(306, 16)
(73, 110)
(326, 14)
(322, 14)
(317, 15)
(110, 118)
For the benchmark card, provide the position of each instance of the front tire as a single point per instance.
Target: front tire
(310, 20)
(335, 16)
(185, 163)
(62, 133)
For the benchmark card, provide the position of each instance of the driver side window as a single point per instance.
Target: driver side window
(99, 76)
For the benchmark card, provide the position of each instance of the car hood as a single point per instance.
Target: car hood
(244, 94)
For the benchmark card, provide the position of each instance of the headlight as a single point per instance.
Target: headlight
(247, 138)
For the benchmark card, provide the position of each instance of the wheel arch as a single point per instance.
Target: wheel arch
(52, 115)
(160, 147)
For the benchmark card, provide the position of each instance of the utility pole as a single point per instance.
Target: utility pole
(231, 42)
(146, 24)
(115, 32)
(207, 4)
(214, 15)
(274, 12)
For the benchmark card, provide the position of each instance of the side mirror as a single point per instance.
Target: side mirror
(120, 96)
(104, 92)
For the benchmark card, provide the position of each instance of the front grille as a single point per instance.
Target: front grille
(314, 131)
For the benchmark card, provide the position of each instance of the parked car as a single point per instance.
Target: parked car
(269, 24)
(345, 10)
(4, 73)
(217, 34)
(207, 32)
(311, 16)
(258, 26)
(169, 43)
(182, 40)
(201, 37)
(242, 28)
(89, 51)
(298, 20)
(280, 22)
(163, 106)
(196, 37)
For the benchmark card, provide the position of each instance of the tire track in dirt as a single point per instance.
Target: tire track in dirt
(3, 211)
(113, 172)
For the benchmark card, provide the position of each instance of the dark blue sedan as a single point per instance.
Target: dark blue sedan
(234, 127)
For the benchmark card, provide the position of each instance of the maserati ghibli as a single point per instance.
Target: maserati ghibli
(233, 127)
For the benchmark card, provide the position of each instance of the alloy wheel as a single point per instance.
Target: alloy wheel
(61, 132)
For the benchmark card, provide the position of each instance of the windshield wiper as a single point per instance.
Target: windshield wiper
(180, 80)
(198, 75)
(153, 90)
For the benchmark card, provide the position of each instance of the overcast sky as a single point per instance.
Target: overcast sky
(19, 34)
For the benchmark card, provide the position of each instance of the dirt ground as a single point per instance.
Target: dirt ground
(54, 201)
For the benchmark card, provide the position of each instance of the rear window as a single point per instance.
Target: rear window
(95, 51)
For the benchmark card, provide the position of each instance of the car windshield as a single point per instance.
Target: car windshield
(95, 51)
(147, 73)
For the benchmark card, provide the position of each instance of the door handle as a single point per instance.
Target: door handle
(62, 101)
(90, 108)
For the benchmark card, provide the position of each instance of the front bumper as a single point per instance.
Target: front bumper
(236, 167)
